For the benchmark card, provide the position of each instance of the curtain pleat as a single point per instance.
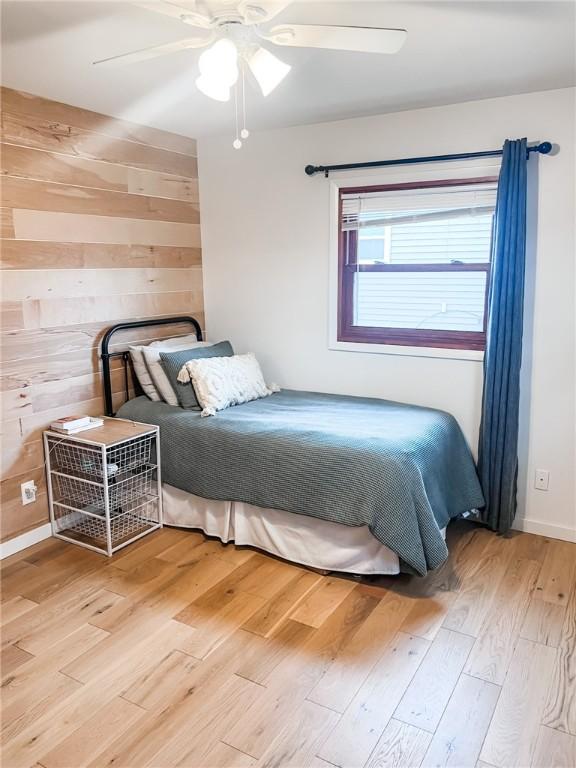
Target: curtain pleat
(498, 440)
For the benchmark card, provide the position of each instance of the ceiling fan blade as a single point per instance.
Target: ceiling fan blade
(175, 10)
(361, 39)
(157, 50)
(261, 11)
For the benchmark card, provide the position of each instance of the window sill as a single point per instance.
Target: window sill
(393, 349)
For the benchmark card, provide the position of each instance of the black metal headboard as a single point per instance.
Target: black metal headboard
(126, 361)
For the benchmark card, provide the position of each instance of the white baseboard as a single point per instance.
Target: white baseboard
(19, 543)
(545, 529)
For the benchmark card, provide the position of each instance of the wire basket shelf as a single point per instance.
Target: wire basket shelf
(92, 530)
(90, 497)
(74, 458)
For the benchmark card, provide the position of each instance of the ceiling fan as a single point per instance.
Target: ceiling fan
(233, 30)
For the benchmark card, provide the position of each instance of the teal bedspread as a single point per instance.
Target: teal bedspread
(402, 470)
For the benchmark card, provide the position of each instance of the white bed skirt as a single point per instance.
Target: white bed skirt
(298, 538)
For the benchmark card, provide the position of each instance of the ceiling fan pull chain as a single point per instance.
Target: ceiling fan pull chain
(237, 144)
(244, 133)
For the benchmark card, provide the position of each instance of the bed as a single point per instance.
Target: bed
(330, 481)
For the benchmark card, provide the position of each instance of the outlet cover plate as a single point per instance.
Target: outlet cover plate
(541, 479)
(28, 491)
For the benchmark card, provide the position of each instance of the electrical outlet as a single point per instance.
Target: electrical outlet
(541, 479)
(28, 491)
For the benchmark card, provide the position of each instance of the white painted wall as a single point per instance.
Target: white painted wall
(266, 250)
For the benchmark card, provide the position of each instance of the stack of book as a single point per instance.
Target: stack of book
(71, 425)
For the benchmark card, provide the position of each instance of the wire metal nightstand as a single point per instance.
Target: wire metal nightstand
(104, 484)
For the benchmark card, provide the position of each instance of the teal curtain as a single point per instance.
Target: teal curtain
(498, 441)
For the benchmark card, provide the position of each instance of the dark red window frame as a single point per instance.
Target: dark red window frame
(348, 266)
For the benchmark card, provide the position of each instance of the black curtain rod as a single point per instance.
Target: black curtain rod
(543, 148)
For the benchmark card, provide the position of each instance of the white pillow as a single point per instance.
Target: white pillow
(223, 381)
(142, 374)
(158, 375)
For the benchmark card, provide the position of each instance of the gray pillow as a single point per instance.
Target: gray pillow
(172, 362)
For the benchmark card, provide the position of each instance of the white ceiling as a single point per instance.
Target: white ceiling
(456, 51)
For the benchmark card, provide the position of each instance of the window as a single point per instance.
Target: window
(414, 262)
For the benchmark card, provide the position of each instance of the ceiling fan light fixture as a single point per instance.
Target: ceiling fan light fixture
(218, 70)
(212, 88)
(268, 70)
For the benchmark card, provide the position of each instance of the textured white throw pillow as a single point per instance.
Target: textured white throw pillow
(223, 381)
(157, 373)
(142, 373)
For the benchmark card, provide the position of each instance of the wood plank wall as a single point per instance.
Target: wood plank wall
(100, 223)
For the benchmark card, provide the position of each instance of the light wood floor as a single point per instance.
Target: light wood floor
(185, 652)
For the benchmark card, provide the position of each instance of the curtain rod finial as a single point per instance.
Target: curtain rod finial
(310, 170)
(545, 148)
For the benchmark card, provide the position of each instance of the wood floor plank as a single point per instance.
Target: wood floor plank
(67, 567)
(46, 632)
(14, 579)
(12, 657)
(224, 756)
(166, 681)
(428, 614)
(285, 602)
(427, 695)
(259, 663)
(186, 731)
(293, 679)
(22, 713)
(138, 600)
(181, 548)
(92, 738)
(66, 601)
(88, 666)
(478, 591)
(511, 738)
(22, 684)
(359, 729)
(44, 551)
(543, 622)
(558, 573)
(400, 746)
(145, 549)
(127, 583)
(492, 652)
(301, 737)
(560, 710)
(323, 601)
(461, 731)
(71, 711)
(268, 578)
(212, 628)
(168, 594)
(341, 681)
(554, 749)
(15, 607)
